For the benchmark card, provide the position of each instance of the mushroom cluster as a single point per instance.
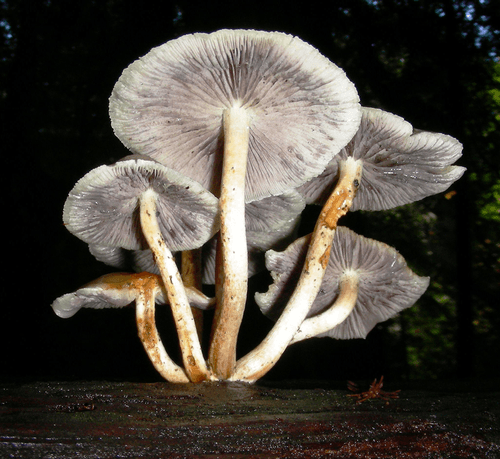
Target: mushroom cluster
(231, 135)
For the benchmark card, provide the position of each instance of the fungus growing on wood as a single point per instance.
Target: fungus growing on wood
(248, 114)
(118, 290)
(137, 203)
(260, 122)
(260, 360)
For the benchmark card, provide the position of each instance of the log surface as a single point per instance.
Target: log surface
(130, 420)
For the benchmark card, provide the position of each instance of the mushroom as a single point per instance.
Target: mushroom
(143, 260)
(260, 360)
(394, 167)
(400, 165)
(248, 114)
(366, 282)
(121, 289)
(138, 203)
(419, 162)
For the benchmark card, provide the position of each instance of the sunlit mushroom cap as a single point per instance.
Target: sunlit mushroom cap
(271, 223)
(118, 290)
(386, 284)
(103, 206)
(400, 165)
(169, 105)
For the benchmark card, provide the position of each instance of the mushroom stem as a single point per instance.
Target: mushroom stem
(192, 356)
(191, 277)
(232, 265)
(335, 314)
(259, 361)
(148, 333)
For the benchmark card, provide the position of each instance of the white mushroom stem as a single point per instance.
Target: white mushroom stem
(259, 361)
(148, 333)
(192, 355)
(232, 269)
(335, 314)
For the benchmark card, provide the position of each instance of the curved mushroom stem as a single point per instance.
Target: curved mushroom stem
(335, 314)
(192, 355)
(148, 288)
(259, 361)
(232, 265)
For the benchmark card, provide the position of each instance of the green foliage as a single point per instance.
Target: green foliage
(489, 203)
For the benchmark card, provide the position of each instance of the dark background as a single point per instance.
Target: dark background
(433, 62)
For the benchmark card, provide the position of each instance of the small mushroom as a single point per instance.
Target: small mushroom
(118, 290)
(366, 282)
(248, 114)
(138, 203)
(400, 165)
(260, 360)
(143, 260)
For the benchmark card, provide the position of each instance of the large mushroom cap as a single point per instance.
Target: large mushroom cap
(386, 284)
(103, 206)
(169, 105)
(400, 165)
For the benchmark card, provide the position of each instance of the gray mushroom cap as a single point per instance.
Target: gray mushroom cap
(386, 284)
(275, 213)
(116, 290)
(271, 223)
(103, 206)
(400, 165)
(112, 256)
(169, 105)
(93, 295)
(123, 259)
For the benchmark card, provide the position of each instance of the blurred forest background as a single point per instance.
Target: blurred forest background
(435, 63)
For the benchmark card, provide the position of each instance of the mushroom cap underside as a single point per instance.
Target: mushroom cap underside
(117, 290)
(303, 109)
(386, 284)
(103, 206)
(271, 223)
(400, 165)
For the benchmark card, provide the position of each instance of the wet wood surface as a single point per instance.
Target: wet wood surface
(150, 420)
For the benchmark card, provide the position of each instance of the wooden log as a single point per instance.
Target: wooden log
(111, 420)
